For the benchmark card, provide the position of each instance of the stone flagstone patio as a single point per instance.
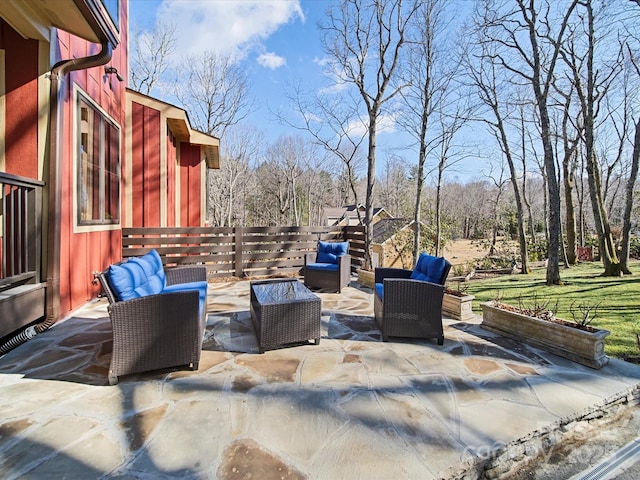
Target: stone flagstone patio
(352, 407)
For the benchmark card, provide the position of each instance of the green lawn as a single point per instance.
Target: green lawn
(618, 299)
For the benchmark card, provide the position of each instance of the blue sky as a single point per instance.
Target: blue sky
(277, 42)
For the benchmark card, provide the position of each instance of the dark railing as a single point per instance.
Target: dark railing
(23, 293)
(20, 230)
(240, 251)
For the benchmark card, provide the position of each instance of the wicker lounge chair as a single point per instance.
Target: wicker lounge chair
(329, 268)
(408, 303)
(153, 331)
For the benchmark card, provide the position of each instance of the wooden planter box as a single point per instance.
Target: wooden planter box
(458, 308)
(366, 278)
(581, 346)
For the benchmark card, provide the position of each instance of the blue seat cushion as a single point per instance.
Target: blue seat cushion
(380, 290)
(329, 267)
(200, 287)
(328, 252)
(429, 269)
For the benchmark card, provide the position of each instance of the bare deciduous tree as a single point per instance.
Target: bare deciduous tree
(364, 40)
(395, 187)
(333, 123)
(631, 181)
(228, 186)
(529, 38)
(430, 71)
(483, 72)
(590, 90)
(214, 90)
(150, 56)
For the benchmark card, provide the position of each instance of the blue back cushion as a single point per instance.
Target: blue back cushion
(328, 252)
(151, 263)
(125, 278)
(138, 277)
(429, 269)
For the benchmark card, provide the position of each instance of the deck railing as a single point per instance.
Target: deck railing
(240, 251)
(20, 230)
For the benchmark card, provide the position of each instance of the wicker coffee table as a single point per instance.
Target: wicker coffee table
(284, 312)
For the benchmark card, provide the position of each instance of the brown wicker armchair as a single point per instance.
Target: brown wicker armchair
(408, 303)
(329, 268)
(157, 331)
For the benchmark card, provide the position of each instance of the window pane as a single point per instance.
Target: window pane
(98, 189)
(88, 179)
(95, 169)
(112, 179)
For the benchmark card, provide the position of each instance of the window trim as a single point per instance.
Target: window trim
(78, 95)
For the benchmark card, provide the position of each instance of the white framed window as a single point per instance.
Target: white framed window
(97, 175)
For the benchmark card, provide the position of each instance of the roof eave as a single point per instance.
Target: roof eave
(34, 19)
(180, 126)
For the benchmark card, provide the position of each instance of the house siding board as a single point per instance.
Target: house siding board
(137, 154)
(151, 168)
(21, 103)
(171, 180)
(145, 160)
(190, 166)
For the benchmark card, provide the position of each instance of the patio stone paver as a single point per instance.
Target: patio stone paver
(353, 407)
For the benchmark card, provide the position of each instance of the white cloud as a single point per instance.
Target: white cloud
(385, 124)
(226, 27)
(334, 75)
(324, 61)
(271, 60)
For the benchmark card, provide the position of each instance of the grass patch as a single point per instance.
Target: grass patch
(618, 299)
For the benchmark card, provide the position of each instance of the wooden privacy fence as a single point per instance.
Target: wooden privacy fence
(240, 251)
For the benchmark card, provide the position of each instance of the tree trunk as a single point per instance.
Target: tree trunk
(371, 182)
(553, 265)
(628, 207)
(570, 211)
(417, 211)
(439, 205)
(607, 246)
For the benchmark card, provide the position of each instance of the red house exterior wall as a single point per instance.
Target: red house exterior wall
(162, 159)
(190, 189)
(166, 169)
(145, 166)
(83, 253)
(21, 107)
(172, 162)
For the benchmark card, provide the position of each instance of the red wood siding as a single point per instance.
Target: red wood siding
(21, 108)
(83, 253)
(190, 185)
(172, 160)
(145, 164)
(151, 168)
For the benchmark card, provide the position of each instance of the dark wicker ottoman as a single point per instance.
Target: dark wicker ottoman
(284, 312)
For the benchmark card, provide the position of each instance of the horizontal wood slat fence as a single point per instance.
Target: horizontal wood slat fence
(240, 251)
